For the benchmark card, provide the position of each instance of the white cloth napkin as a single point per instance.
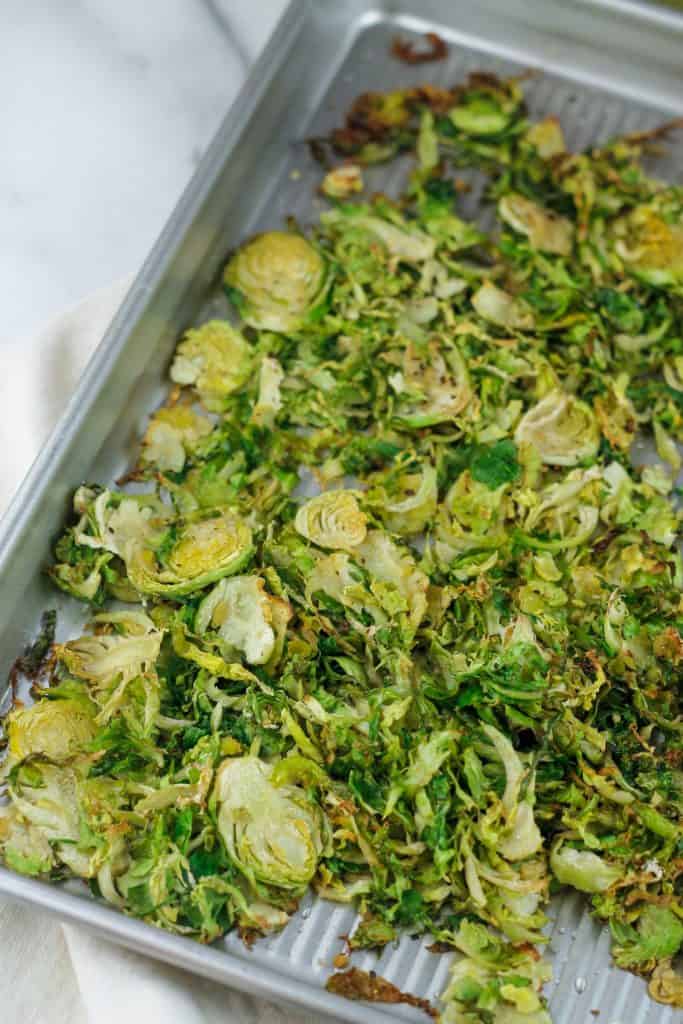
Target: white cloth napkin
(50, 975)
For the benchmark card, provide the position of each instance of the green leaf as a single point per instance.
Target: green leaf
(495, 465)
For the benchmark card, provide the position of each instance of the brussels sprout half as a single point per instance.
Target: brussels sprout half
(562, 428)
(434, 386)
(215, 359)
(546, 230)
(206, 547)
(280, 278)
(242, 612)
(649, 240)
(273, 833)
(58, 729)
(332, 520)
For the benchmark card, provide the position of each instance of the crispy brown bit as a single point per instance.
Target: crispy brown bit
(341, 961)
(666, 985)
(439, 947)
(674, 758)
(669, 645)
(406, 51)
(655, 133)
(531, 951)
(601, 545)
(318, 151)
(37, 661)
(636, 896)
(370, 987)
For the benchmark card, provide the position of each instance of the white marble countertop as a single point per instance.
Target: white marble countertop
(106, 110)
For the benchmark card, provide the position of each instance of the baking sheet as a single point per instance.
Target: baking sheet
(610, 67)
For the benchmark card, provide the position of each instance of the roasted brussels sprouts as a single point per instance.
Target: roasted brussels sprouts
(333, 520)
(448, 684)
(502, 309)
(280, 278)
(119, 667)
(203, 549)
(547, 231)
(583, 869)
(433, 387)
(562, 429)
(407, 502)
(273, 833)
(649, 241)
(170, 434)
(342, 182)
(57, 729)
(214, 359)
(46, 824)
(269, 400)
(244, 615)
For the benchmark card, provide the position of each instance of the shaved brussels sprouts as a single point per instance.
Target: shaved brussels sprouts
(409, 502)
(562, 428)
(162, 554)
(335, 577)
(272, 833)
(583, 869)
(119, 667)
(658, 936)
(242, 612)
(447, 685)
(342, 182)
(501, 309)
(434, 386)
(24, 848)
(521, 837)
(402, 241)
(505, 976)
(214, 359)
(203, 549)
(546, 230)
(332, 520)
(388, 563)
(281, 280)
(269, 400)
(666, 985)
(649, 240)
(482, 115)
(58, 729)
(469, 520)
(546, 137)
(45, 797)
(409, 244)
(169, 436)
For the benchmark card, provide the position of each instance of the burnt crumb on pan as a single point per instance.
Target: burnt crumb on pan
(372, 988)
(318, 151)
(406, 51)
(35, 661)
(386, 122)
(439, 947)
(661, 132)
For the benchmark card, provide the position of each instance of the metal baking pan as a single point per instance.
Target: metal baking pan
(609, 66)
